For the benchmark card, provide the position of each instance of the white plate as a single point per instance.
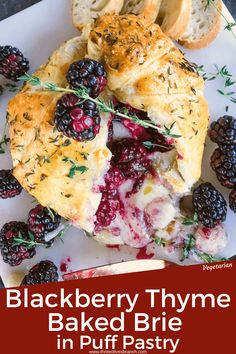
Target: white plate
(38, 31)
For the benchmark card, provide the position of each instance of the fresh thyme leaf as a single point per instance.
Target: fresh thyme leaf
(74, 167)
(150, 145)
(31, 236)
(160, 242)
(208, 258)
(189, 245)
(168, 131)
(33, 80)
(190, 221)
(229, 25)
(19, 241)
(228, 78)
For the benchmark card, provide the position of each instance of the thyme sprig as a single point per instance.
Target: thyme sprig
(149, 145)
(229, 80)
(20, 241)
(160, 242)
(190, 221)
(74, 167)
(229, 25)
(83, 94)
(190, 246)
(208, 258)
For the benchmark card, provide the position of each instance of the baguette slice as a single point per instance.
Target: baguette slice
(148, 8)
(204, 24)
(174, 17)
(85, 12)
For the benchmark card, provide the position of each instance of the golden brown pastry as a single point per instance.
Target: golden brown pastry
(38, 149)
(146, 70)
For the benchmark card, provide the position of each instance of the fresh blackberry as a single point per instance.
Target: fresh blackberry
(132, 158)
(12, 252)
(42, 273)
(13, 64)
(223, 131)
(77, 119)
(9, 186)
(107, 209)
(223, 162)
(210, 205)
(42, 221)
(232, 200)
(88, 73)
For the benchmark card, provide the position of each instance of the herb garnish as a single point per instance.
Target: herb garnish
(223, 73)
(75, 167)
(229, 25)
(160, 242)
(188, 246)
(150, 145)
(190, 221)
(20, 241)
(208, 258)
(83, 93)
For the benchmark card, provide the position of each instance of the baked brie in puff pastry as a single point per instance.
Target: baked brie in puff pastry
(134, 176)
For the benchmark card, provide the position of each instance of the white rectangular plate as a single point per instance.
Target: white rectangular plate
(38, 31)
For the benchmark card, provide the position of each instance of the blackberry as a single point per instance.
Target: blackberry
(42, 221)
(232, 200)
(223, 131)
(42, 273)
(12, 253)
(107, 209)
(223, 162)
(88, 73)
(9, 186)
(210, 205)
(13, 64)
(77, 119)
(132, 158)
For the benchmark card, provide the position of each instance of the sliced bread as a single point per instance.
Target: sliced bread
(149, 8)
(204, 24)
(174, 17)
(85, 12)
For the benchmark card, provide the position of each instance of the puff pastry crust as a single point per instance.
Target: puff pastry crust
(38, 149)
(146, 70)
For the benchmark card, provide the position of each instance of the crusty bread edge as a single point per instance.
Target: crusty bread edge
(118, 6)
(208, 39)
(181, 25)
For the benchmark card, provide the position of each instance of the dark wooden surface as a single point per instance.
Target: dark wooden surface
(10, 7)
